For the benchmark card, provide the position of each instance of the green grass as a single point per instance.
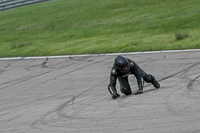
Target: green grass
(63, 27)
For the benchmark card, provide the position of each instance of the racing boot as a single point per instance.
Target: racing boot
(155, 83)
(139, 91)
(114, 96)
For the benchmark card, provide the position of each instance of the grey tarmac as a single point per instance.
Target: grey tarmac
(69, 95)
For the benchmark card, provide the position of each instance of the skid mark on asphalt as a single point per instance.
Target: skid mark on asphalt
(18, 81)
(183, 93)
(170, 76)
(190, 84)
(44, 120)
(4, 68)
(29, 77)
(23, 79)
(183, 70)
(64, 74)
(42, 65)
(92, 109)
(51, 118)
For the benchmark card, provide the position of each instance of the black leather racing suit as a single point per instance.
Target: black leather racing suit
(125, 88)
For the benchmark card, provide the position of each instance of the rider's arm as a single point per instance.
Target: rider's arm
(113, 79)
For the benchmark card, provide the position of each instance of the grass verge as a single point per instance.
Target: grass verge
(65, 27)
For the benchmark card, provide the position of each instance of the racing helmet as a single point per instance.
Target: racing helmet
(122, 64)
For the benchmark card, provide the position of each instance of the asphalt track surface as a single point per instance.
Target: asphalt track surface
(69, 95)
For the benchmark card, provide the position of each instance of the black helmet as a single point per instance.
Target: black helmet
(122, 64)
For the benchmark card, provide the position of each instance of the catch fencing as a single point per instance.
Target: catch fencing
(10, 4)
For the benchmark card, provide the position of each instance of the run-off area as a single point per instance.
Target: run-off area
(70, 95)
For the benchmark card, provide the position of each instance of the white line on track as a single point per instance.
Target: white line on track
(86, 55)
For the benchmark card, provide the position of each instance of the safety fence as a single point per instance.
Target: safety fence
(10, 4)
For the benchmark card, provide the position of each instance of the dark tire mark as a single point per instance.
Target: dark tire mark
(29, 77)
(183, 70)
(172, 107)
(58, 110)
(67, 65)
(70, 72)
(68, 116)
(190, 84)
(21, 80)
(28, 103)
(44, 63)
(3, 70)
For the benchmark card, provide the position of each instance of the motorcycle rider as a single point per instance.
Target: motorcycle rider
(121, 69)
